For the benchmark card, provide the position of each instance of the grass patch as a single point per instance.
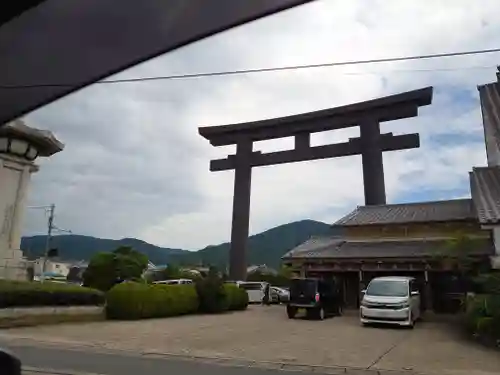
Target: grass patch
(37, 320)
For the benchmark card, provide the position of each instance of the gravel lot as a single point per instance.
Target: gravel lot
(263, 333)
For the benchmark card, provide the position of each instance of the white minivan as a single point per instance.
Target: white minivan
(391, 300)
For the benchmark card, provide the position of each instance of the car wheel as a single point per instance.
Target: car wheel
(412, 322)
(291, 312)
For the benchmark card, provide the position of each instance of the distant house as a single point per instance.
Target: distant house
(262, 269)
(56, 266)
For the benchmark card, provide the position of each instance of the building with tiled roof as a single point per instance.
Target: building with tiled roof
(404, 239)
(485, 181)
(395, 239)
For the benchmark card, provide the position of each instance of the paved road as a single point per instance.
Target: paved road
(116, 364)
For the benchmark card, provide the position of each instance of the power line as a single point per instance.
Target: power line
(278, 69)
(422, 70)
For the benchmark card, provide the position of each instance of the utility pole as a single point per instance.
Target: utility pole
(50, 225)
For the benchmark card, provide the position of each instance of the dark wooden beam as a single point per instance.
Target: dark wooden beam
(316, 125)
(373, 164)
(241, 211)
(352, 147)
(302, 141)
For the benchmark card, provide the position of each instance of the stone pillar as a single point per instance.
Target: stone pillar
(14, 181)
(20, 145)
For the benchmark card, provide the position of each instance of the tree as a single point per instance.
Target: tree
(458, 254)
(285, 271)
(171, 272)
(211, 293)
(107, 269)
(75, 274)
(275, 280)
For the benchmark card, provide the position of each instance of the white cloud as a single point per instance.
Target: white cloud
(135, 165)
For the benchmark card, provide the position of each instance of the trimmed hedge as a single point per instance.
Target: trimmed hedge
(237, 298)
(131, 300)
(36, 294)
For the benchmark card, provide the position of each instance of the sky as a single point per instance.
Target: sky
(134, 164)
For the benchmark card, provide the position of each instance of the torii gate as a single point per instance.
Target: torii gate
(370, 145)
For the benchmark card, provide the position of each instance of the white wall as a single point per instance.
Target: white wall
(495, 260)
(496, 240)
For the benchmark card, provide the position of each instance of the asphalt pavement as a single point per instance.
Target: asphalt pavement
(75, 362)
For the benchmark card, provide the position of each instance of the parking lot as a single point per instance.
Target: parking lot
(263, 333)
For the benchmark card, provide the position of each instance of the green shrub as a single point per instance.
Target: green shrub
(211, 295)
(482, 317)
(488, 283)
(130, 300)
(237, 298)
(30, 294)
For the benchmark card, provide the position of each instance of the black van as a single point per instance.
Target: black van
(320, 298)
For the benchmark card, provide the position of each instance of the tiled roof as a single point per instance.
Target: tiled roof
(485, 190)
(422, 212)
(315, 245)
(489, 96)
(349, 249)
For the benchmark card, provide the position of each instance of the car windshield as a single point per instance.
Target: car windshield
(387, 288)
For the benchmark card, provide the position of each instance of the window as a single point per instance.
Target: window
(387, 288)
(306, 287)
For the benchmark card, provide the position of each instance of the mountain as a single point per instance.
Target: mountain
(264, 248)
(76, 247)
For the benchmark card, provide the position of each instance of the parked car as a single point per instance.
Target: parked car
(174, 282)
(319, 298)
(279, 295)
(391, 300)
(255, 290)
